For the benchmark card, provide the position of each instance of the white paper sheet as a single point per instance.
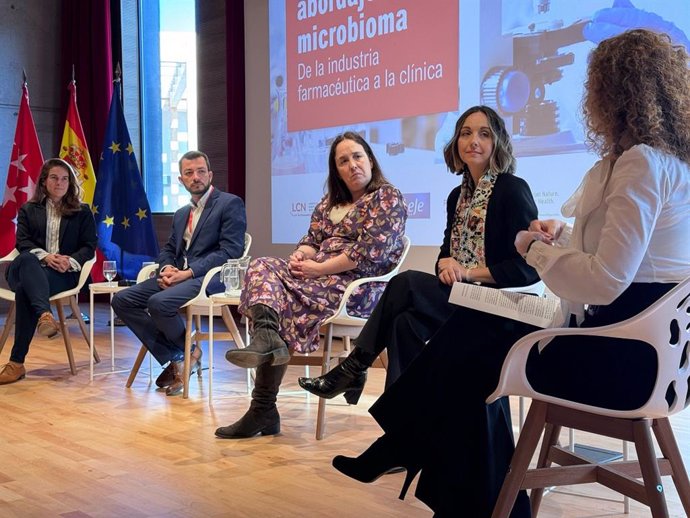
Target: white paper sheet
(538, 311)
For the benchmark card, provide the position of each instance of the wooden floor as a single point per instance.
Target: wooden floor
(77, 449)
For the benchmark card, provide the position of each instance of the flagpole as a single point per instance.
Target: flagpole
(117, 83)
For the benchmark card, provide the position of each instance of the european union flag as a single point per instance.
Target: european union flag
(120, 206)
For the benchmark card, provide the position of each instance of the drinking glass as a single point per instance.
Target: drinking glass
(109, 271)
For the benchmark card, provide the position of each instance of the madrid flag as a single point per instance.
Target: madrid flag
(74, 150)
(25, 166)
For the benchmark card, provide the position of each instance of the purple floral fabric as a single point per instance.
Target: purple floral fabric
(370, 234)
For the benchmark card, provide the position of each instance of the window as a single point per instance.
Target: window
(165, 64)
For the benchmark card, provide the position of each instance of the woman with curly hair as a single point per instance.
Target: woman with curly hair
(627, 248)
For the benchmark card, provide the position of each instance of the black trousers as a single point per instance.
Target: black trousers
(412, 308)
(463, 466)
(33, 285)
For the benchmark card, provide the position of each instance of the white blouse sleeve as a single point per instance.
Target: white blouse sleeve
(615, 238)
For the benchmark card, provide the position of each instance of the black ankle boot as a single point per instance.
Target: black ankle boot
(381, 458)
(348, 377)
(266, 345)
(253, 422)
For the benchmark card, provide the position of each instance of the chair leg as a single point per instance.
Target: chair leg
(325, 367)
(669, 449)
(527, 443)
(551, 433)
(137, 364)
(77, 314)
(9, 323)
(187, 354)
(66, 337)
(650, 468)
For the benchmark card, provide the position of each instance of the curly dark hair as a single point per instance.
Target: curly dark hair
(502, 159)
(638, 92)
(70, 202)
(338, 193)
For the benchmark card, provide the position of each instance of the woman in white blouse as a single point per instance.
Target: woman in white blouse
(629, 246)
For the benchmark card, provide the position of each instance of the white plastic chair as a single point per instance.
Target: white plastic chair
(665, 326)
(194, 309)
(68, 296)
(347, 326)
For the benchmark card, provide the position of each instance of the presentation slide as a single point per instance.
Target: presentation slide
(400, 72)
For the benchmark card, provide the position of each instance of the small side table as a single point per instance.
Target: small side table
(99, 288)
(218, 300)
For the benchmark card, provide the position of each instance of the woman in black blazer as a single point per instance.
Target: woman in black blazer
(483, 215)
(56, 235)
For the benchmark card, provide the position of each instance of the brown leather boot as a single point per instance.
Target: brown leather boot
(12, 372)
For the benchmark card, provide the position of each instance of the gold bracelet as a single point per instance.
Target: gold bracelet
(467, 274)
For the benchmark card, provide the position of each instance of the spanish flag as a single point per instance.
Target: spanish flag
(74, 149)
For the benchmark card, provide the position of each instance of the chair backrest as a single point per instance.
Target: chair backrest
(665, 325)
(247, 244)
(202, 298)
(341, 316)
(83, 277)
(7, 294)
(146, 271)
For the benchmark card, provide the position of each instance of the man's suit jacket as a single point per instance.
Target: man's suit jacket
(218, 235)
(77, 231)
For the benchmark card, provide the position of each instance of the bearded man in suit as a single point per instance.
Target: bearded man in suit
(205, 234)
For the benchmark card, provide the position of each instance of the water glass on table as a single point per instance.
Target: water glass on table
(110, 271)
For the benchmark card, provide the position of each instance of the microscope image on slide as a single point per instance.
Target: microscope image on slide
(535, 80)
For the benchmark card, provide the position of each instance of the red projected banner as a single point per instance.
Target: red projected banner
(351, 61)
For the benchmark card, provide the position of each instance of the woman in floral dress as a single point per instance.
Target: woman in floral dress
(355, 231)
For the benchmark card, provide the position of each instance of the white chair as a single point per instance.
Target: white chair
(194, 309)
(665, 326)
(68, 296)
(347, 326)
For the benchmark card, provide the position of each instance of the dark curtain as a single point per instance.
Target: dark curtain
(86, 44)
(234, 30)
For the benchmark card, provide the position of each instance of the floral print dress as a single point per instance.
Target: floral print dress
(370, 234)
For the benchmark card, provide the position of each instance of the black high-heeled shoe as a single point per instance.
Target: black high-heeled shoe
(381, 458)
(349, 378)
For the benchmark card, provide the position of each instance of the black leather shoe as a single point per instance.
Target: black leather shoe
(253, 422)
(349, 377)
